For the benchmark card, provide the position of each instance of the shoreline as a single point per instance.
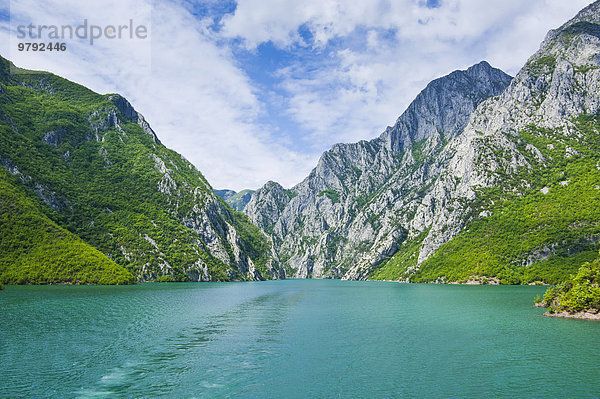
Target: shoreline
(583, 315)
(476, 280)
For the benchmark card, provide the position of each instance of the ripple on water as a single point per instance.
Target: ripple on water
(291, 339)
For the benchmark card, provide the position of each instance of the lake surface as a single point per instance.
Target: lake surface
(291, 339)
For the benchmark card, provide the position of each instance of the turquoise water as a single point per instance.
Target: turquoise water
(291, 339)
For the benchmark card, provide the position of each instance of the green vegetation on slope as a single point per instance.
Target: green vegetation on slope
(580, 292)
(113, 184)
(407, 256)
(538, 225)
(334, 196)
(543, 221)
(35, 250)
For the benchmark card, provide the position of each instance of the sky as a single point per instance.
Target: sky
(255, 90)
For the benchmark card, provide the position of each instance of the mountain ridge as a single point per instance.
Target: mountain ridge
(401, 217)
(104, 176)
(482, 176)
(557, 85)
(436, 115)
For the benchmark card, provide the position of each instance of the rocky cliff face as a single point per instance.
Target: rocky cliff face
(356, 205)
(413, 189)
(104, 175)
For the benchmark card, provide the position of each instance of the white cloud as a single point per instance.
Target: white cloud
(188, 87)
(258, 21)
(367, 61)
(382, 53)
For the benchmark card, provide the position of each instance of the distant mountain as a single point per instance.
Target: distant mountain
(225, 194)
(237, 201)
(91, 169)
(482, 176)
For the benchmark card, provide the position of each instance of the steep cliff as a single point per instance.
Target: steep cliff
(355, 206)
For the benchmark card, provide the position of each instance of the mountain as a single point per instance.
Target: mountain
(225, 194)
(237, 201)
(92, 170)
(482, 177)
(523, 178)
(354, 208)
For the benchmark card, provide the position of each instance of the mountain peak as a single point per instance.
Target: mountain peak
(587, 21)
(559, 83)
(481, 65)
(125, 107)
(448, 101)
(84, 158)
(324, 222)
(481, 68)
(590, 13)
(396, 199)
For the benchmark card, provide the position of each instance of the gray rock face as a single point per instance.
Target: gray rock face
(214, 224)
(355, 207)
(267, 204)
(420, 177)
(131, 115)
(53, 137)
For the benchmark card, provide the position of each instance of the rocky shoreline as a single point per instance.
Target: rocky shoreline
(479, 280)
(591, 314)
